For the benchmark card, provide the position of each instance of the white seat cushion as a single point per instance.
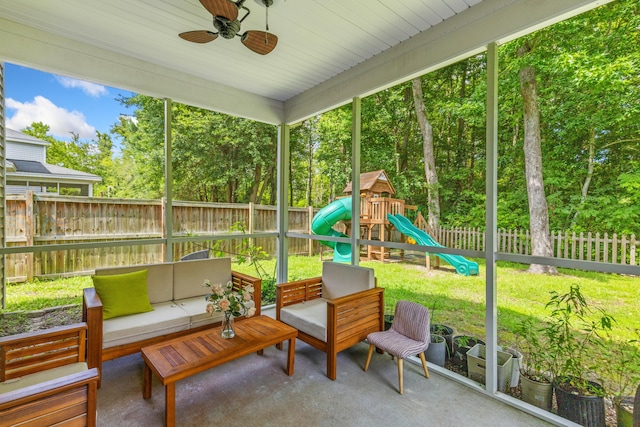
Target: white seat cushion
(40, 377)
(196, 310)
(165, 318)
(309, 317)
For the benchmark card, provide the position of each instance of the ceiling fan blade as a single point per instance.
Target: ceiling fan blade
(259, 41)
(200, 36)
(225, 8)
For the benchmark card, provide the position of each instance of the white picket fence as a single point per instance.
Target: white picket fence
(614, 248)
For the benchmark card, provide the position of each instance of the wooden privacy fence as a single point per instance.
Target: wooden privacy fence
(37, 219)
(34, 220)
(601, 247)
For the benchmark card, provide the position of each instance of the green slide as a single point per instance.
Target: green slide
(462, 265)
(323, 222)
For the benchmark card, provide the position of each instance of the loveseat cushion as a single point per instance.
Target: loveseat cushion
(43, 376)
(309, 317)
(123, 294)
(339, 280)
(165, 318)
(188, 276)
(159, 279)
(196, 310)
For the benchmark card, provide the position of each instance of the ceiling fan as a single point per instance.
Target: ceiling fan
(225, 21)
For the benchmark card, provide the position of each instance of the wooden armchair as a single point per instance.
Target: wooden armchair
(334, 311)
(44, 379)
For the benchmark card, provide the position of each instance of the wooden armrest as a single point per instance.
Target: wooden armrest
(298, 291)
(90, 300)
(245, 279)
(354, 297)
(43, 335)
(241, 280)
(32, 352)
(47, 388)
(92, 315)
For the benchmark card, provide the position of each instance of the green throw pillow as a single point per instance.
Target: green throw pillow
(123, 294)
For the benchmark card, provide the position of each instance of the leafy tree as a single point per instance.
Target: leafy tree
(216, 157)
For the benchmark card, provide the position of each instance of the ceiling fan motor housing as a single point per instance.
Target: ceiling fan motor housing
(227, 29)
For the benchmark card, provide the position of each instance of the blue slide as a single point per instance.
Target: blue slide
(462, 265)
(323, 222)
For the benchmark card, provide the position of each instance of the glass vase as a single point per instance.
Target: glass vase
(227, 326)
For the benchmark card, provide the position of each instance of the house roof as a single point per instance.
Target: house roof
(39, 170)
(14, 135)
(31, 170)
(369, 179)
(329, 51)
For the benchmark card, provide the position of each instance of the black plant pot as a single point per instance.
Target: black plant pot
(446, 332)
(388, 321)
(586, 410)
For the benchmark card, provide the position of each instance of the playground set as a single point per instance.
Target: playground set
(380, 217)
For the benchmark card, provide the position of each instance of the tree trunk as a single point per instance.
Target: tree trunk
(538, 209)
(257, 175)
(587, 181)
(429, 156)
(310, 171)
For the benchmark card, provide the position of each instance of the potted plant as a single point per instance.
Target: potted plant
(622, 367)
(516, 362)
(535, 372)
(573, 328)
(461, 345)
(442, 330)
(437, 350)
(388, 321)
(477, 363)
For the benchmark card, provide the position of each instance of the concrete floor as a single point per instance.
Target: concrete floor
(255, 391)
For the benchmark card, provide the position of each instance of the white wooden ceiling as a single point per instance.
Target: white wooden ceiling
(321, 44)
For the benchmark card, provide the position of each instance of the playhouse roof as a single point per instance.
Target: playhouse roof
(369, 179)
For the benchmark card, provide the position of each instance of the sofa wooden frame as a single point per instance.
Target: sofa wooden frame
(349, 318)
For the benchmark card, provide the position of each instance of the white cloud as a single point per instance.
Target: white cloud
(61, 122)
(88, 88)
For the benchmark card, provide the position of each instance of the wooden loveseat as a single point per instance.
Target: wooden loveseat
(176, 295)
(45, 380)
(334, 311)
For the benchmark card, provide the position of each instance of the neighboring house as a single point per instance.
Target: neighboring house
(27, 169)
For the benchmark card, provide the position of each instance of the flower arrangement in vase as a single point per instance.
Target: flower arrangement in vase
(231, 302)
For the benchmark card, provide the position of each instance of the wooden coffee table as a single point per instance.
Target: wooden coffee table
(182, 357)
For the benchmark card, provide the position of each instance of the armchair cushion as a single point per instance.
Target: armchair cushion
(42, 376)
(339, 280)
(309, 317)
(123, 294)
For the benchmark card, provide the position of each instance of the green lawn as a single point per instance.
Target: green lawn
(455, 300)
(458, 300)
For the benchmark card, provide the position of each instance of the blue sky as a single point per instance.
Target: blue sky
(65, 104)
